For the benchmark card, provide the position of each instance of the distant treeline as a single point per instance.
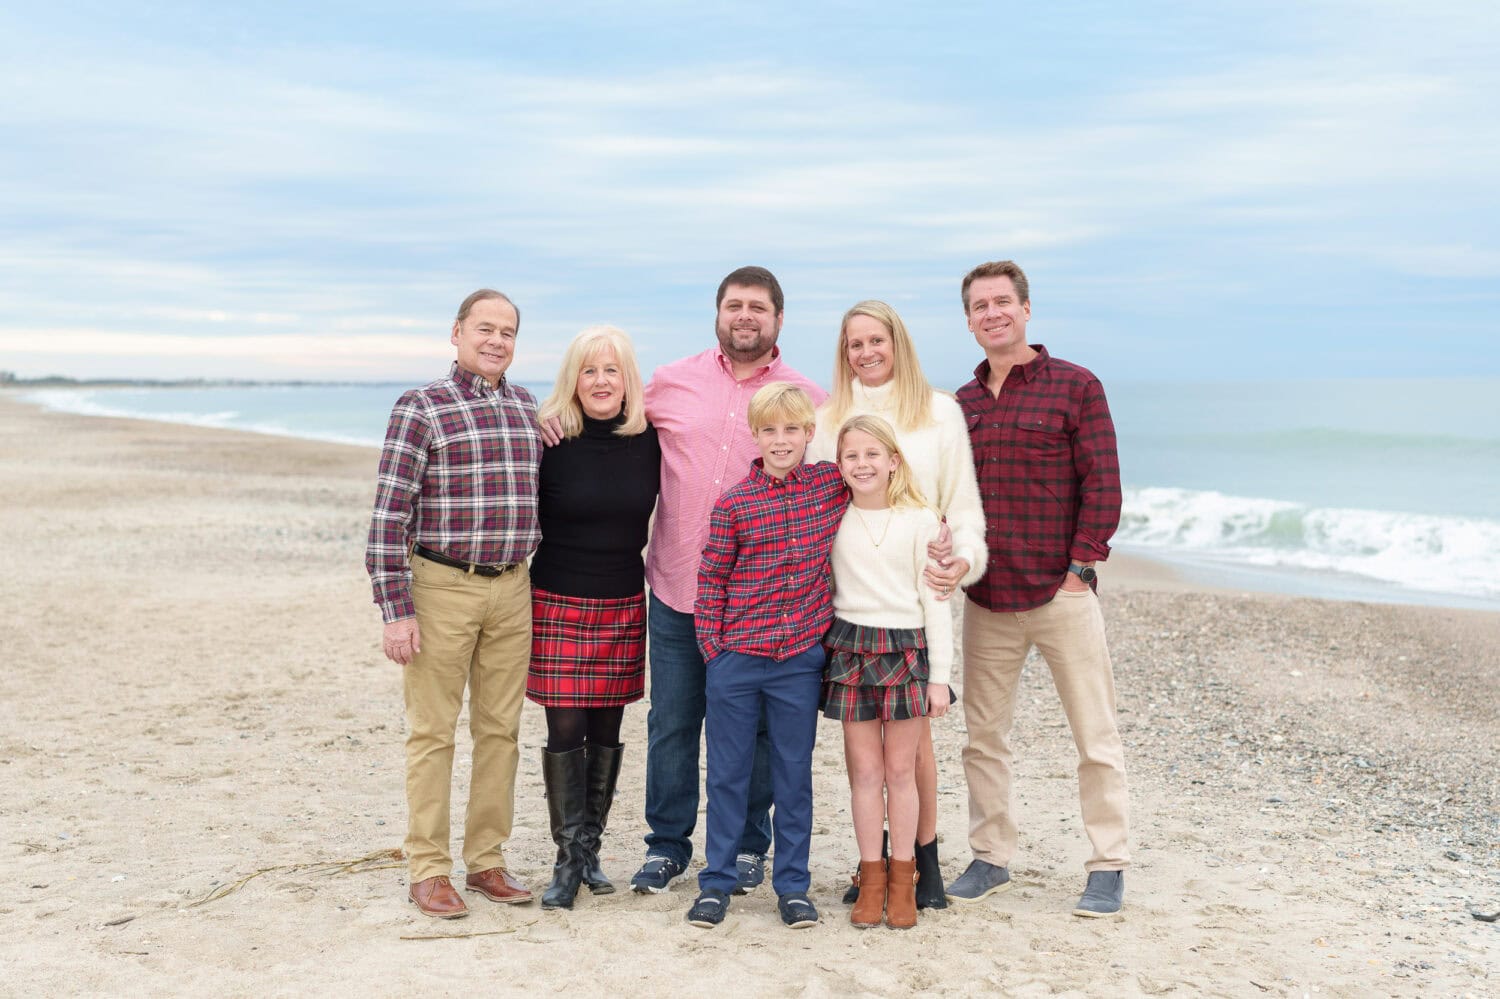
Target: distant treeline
(9, 379)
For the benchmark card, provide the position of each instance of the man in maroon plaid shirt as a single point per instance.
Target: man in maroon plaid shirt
(1049, 477)
(455, 520)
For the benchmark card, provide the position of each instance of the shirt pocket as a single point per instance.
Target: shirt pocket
(1044, 437)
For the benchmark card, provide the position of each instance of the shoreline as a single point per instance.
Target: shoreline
(197, 697)
(1163, 568)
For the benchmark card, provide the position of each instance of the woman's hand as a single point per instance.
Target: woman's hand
(943, 571)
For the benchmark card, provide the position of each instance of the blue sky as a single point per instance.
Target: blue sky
(306, 191)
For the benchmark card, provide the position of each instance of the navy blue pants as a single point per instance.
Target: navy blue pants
(741, 690)
(674, 727)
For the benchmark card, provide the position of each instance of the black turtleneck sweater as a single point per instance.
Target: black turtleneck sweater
(594, 503)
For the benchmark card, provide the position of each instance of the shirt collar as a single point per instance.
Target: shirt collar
(472, 383)
(759, 473)
(727, 366)
(1029, 370)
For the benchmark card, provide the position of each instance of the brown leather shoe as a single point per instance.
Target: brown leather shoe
(436, 897)
(872, 888)
(901, 899)
(497, 885)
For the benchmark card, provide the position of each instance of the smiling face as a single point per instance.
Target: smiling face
(866, 465)
(869, 350)
(486, 338)
(997, 316)
(601, 385)
(782, 444)
(748, 323)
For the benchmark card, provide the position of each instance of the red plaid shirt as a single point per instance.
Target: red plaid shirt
(1049, 476)
(764, 582)
(458, 474)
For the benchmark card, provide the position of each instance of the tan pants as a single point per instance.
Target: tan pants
(475, 631)
(1069, 632)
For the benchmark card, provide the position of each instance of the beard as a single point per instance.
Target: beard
(745, 345)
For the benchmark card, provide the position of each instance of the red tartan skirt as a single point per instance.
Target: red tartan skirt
(586, 653)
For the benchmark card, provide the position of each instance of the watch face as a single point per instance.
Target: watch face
(1087, 574)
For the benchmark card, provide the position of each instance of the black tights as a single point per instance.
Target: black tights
(570, 728)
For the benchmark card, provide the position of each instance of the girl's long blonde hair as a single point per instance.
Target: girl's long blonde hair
(912, 391)
(587, 346)
(901, 490)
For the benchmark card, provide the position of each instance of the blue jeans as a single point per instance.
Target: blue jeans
(745, 692)
(673, 727)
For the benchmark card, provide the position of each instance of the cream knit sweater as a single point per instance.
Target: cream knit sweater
(881, 586)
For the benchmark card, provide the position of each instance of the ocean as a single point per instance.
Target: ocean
(1385, 490)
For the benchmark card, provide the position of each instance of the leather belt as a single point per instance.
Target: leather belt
(453, 563)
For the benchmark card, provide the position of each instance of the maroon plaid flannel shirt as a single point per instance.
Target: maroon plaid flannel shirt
(458, 474)
(764, 582)
(1049, 476)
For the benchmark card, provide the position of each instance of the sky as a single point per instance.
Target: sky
(1196, 191)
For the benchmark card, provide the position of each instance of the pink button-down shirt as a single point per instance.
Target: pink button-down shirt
(698, 409)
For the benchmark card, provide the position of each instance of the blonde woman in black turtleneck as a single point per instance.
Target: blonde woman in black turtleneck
(598, 488)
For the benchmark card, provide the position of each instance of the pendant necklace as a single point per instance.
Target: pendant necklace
(889, 516)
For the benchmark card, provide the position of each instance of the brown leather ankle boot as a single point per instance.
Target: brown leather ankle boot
(901, 897)
(871, 902)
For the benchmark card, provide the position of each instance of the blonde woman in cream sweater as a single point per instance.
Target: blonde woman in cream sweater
(876, 372)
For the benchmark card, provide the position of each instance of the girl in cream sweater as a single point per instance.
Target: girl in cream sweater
(890, 656)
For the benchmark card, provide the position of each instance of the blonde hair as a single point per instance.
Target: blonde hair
(901, 490)
(912, 391)
(586, 347)
(780, 402)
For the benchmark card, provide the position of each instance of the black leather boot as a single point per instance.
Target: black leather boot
(603, 774)
(565, 777)
(851, 894)
(930, 891)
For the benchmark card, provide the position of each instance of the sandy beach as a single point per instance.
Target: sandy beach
(195, 695)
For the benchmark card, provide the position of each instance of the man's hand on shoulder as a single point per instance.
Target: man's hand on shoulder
(402, 641)
(551, 430)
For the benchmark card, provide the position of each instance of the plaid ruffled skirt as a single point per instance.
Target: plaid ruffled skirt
(874, 673)
(586, 653)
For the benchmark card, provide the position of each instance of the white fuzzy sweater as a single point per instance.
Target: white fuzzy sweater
(882, 586)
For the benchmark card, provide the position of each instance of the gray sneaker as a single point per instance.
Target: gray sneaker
(979, 881)
(750, 872)
(1103, 895)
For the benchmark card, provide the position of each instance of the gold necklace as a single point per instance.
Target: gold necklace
(889, 516)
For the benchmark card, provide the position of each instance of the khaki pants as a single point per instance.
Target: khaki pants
(475, 631)
(1069, 632)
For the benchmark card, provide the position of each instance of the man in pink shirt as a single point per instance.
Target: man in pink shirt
(698, 406)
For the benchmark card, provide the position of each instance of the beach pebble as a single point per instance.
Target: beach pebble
(1485, 917)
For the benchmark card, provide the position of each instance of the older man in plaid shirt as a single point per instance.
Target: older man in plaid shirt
(455, 520)
(1049, 477)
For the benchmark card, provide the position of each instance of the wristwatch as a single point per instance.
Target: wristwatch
(1083, 572)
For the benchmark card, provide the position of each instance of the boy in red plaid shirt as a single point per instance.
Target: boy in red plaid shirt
(764, 602)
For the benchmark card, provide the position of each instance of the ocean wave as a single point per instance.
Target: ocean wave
(1418, 551)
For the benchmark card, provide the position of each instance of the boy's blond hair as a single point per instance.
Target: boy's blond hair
(901, 491)
(780, 402)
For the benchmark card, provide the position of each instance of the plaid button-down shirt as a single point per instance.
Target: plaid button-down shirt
(1049, 477)
(458, 474)
(764, 584)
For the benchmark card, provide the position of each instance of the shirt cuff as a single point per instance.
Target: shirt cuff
(398, 609)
